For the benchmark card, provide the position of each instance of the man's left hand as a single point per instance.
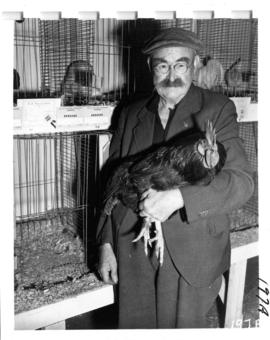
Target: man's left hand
(160, 205)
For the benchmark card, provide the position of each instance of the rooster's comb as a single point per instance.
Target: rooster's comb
(211, 156)
(210, 134)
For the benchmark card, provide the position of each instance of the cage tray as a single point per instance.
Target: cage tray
(50, 266)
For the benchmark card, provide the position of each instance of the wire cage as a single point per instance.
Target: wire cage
(82, 61)
(51, 176)
(55, 192)
(87, 64)
(246, 217)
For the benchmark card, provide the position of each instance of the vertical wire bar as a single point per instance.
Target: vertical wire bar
(64, 43)
(23, 59)
(61, 142)
(32, 179)
(74, 146)
(86, 199)
(103, 49)
(52, 179)
(41, 41)
(27, 184)
(80, 52)
(38, 193)
(37, 46)
(80, 173)
(96, 23)
(36, 157)
(87, 53)
(32, 182)
(74, 53)
(91, 77)
(46, 63)
(19, 155)
(121, 56)
(58, 80)
(44, 179)
(79, 170)
(49, 178)
(35, 183)
(109, 58)
(55, 42)
(56, 174)
(66, 183)
(30, 44)
(115, 69)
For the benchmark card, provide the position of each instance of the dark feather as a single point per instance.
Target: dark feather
(172, 165)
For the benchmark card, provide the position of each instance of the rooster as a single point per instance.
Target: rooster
(195, 159)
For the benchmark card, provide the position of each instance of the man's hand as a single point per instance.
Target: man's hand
(160, 205)
(107, 266)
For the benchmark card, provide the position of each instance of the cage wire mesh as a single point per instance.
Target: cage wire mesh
(233, 42)
(246, 217)
(54, 181)
(55, 192)
(99, 62)
(83, 61)
(92, 62)
(27, 72)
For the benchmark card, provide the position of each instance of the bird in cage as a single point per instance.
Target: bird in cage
(80, 85)
(195, 159)
(233, 75)
(210, 75)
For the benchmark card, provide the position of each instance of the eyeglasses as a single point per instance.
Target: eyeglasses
(179, 68)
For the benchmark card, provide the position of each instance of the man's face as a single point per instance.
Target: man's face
(173, 69)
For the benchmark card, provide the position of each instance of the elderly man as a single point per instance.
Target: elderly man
(195, 223)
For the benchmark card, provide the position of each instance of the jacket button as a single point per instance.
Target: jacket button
(185, 124)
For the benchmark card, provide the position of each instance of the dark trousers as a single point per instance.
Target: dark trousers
(150, 296)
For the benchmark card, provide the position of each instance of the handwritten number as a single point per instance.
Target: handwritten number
(262, 280)
(263, 310)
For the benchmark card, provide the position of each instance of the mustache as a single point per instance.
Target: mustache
(167, 83)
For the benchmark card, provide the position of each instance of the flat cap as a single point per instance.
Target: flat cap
(175, 36)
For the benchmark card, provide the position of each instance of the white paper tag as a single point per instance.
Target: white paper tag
(242, 107)
(39, 113)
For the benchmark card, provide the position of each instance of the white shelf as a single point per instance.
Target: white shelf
(62, 310)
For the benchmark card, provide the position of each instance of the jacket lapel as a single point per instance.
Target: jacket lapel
(184, 117)
(142, 137)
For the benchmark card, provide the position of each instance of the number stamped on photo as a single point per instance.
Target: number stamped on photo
(246, 323)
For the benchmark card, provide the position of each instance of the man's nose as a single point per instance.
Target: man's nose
(172, 74)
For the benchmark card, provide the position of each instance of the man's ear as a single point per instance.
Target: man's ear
(196, 67)
(197, 62)
(149, 63)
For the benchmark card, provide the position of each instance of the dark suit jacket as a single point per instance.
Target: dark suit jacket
(199, 248)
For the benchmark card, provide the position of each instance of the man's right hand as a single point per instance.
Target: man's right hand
(107, 265)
